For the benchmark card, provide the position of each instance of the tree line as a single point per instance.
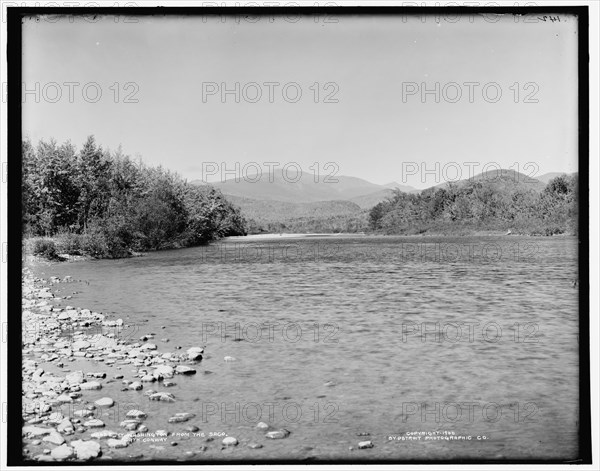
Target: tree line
(482, 205)
(107, 205)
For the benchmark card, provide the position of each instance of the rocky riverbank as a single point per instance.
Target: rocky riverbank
(71, 358)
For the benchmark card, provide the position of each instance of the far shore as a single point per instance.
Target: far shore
(29, 257)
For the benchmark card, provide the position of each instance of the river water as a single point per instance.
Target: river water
(346, 339)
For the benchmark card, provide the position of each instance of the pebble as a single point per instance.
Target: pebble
(365, 444)
(262, 426)
(229, 359)
(135, 386)
(165, 371)
(136, 414)
(62, 452)
(104, 402)
(185, 370)
(162, 396)
(278, 434)
(230, 441)
(104, 434)
(114, 443)
(86, 450)
(254, 445)
(66, 427)
(55, 438)
(94, 423)
(177, 419)
(90, 385)
(195, 353)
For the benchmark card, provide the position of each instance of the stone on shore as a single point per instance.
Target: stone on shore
(63, 452)
(104, 434)
(135, 386)
(66, 427)
(162, 396)
(64, 398)
(278, 434)
(94, 423)
(80, 345)
(86, 450)
(165, 371)
(90, 385)
(76, 377)
(185, 370)
(230, 441)
(195, 353)
(136, 414)
(114, 443)
(105, 402)
(55, 438)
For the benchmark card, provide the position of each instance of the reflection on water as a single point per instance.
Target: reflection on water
(341, 340)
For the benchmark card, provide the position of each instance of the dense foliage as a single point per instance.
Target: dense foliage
(106, 205)
(347, 223)
(482, 205)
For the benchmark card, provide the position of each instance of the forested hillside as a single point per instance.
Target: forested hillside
(502, 203)
(104, 204)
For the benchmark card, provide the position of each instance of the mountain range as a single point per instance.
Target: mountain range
(279, 200)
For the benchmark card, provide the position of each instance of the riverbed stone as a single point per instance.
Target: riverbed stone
(162, 396)
(54, 438)
(115, 443)
(104, 434)
(94, 423)
(195, 353)
(105, 402)
(90, 385)
(278, 434)
(80, 345)
(75, 377)
(165, 371)
(230, 441)
(185, 370)
(86, 449)
(136, 414)
(66, 427)
(135, 386)
(62, 452)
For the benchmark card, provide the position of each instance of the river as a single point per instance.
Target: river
(347, 339)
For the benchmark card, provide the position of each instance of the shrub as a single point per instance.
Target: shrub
(69, 243)
(99, 242)
(44, 248)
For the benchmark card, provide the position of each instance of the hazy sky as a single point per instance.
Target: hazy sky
(375, 68)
